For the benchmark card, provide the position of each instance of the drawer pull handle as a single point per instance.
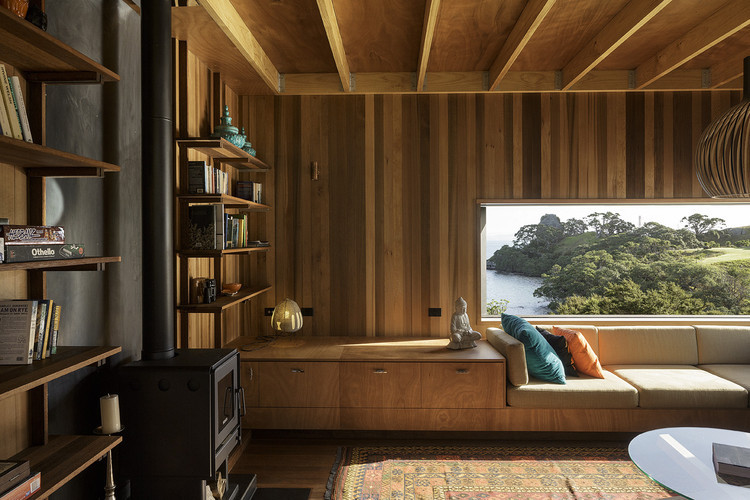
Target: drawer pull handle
(298, 370)
(462, 371)
(379, 370)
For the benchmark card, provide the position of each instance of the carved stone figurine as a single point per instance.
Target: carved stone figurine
(462, 336)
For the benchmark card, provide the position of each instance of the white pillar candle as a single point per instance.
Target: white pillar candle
(110, 407)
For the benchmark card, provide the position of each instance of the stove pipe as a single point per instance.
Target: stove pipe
(157, 173)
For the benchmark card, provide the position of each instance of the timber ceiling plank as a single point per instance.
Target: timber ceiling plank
(291, 33)
(624, 25)
(229, 20)
(331, 24)
(431, 10)
(725, 22)
(531, 17)
(380, 35)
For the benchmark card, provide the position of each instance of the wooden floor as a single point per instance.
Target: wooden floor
(295, 459)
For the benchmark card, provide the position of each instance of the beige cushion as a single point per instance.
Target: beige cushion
(578, 392)
(647, 345)
(680, 386)
(515, 357)
(723, 344)
(739, 374)
(589, 333)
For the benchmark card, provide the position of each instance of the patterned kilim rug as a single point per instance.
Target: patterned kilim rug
(467, 473)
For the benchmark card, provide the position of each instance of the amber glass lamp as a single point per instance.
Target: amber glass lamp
(286, 317)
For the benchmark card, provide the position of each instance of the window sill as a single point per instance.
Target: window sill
(628, 320)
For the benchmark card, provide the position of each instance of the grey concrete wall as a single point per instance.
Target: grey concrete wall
(102, 122)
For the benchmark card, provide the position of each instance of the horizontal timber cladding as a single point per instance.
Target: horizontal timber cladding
(390, 227)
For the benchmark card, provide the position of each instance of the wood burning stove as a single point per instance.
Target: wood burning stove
(182, 420)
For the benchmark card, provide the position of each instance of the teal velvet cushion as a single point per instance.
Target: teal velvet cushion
(541, 360)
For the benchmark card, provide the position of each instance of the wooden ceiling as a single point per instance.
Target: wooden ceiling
(410, 46)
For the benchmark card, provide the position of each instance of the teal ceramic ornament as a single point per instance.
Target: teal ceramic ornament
(248, 147)
(226, 130)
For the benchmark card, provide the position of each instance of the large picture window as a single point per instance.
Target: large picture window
(677, 259)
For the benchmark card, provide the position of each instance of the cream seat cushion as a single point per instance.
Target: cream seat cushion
(739, 374)
(680, 386)
(578, 392)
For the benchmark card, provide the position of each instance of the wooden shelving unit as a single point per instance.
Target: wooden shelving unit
(224, 302)
(223, 154)
(64, 457)
(84, 264)
(42, 59)
(20, 378)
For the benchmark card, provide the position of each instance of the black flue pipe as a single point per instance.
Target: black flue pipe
(157, 173)
(746, 78)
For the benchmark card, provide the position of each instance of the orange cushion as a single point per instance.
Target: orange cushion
(584, 357)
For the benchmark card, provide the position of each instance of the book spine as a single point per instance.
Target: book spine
(41, 322)
(24, 490)
(48, 328)
(2, 249)
(32, 253)
(21, 105)
(55, 330)
(25, 235)
(4, 122)
(10, 106)
(196, 177)
(32, 330)
(218, 223)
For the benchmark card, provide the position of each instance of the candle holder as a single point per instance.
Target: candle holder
(109, 485)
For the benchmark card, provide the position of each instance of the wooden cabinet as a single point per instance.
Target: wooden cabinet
(227, 157)
(38, 59)
(355, 383)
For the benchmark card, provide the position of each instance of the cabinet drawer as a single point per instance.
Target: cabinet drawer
(249, 382)
(463, 385)
(380, 385)
(304, 384)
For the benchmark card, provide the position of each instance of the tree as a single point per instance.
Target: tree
(608, 223)
(574, 227)
(701, 224)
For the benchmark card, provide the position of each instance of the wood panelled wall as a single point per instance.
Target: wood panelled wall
(391, 226)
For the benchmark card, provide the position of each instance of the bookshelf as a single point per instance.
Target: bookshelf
(40, 59)
(223, 155)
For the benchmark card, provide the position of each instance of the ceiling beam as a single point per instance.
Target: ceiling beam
(476, 82)
(431, 9)
(721, 25)
(528, 22)
(621, 27)
(726, 71)
(228, 19)
(331, 24)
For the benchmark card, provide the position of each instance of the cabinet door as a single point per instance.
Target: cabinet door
(249, 382)
(380, 385)
(463, 385)
(298, 384)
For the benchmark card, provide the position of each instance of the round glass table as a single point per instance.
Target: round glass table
(681, 459)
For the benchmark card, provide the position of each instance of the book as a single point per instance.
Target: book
(47, 329)
(2, 250)
(245, 190)
(12, 473)
(41, 324)
(33, 253)
(23, 235)
(10, 105)
(55, 330)
(18, 327)
(731, 460)
(198, 178)
(4, 123)
(15, 84)
(206, 227)
(25, 489)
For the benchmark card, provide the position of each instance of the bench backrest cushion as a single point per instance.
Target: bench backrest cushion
(723, 344)
(515, 357)
(647, 345)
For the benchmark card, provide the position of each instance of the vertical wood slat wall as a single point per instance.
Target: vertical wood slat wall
(390, 228)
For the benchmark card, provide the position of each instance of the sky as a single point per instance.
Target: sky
(499, 229)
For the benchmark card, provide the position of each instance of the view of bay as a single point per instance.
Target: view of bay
(517, 289)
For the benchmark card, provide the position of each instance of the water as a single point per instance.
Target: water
(517, 289)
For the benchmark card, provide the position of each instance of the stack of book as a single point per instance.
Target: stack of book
(249, 190)
(33, 243)
(14, 122)
(17, 481)
(29, 330)
(204, 179)
(731, 460)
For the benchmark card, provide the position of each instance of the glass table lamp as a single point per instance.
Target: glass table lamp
(286, 317)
